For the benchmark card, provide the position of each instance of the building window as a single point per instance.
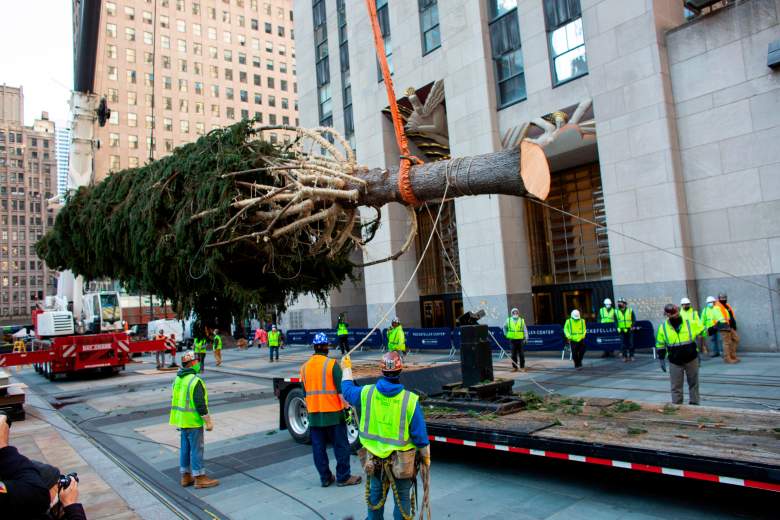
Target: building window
(113, 95)
(165, 42)
(113, 163)
(229, 93)
(131, 77)
(130, 55)
(184, 126)
(230, 113)
(322, 62)
(383, 14)
(429, 25)
(346, 84)
(111, 30)
(132, 119)
(130, 34)
(256, 61)
(270, 82)
(113, 140)
(567, 44)
(182, 46)
(168, 124)
(110, 8)
(507, 52)
(130, 13)
(165, 22)
(132, 142)
(243, 95)
(132, 98)
(147, 17)
(111, 51)
(258, 99)
(148, 38)
(112, 74)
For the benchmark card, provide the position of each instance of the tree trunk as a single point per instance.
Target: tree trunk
(520, 171)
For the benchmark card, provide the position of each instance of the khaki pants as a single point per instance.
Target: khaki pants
(677, 374)
(218, 356)
(730, 342)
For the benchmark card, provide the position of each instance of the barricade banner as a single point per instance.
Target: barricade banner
(644, 334)
(428, 339)
(496, 332)
(299, 336)
(374, 341)
(602, 336)
(544, 337)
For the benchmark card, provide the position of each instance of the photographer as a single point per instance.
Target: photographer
(21, 488)
(31, 489)
(63, 494)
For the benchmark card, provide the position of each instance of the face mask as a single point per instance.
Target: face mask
(515, 316)
(686, 307)
(723, 301)
(607, 305)
(710, 304)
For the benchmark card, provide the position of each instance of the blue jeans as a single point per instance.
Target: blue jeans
(271, 351)
(191, 452)
(404, 487)
(715, 344)
(336, 435)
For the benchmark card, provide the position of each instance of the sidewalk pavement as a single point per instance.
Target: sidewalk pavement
(106, 491)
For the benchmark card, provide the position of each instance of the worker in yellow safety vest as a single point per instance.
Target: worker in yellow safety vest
(676, 341)
(625, 326)
(199, 346)
(517, 334)
(607, 315)
(711, 318)
(216, 342)
(392, 430)
(274, 342)
(190, 413)
(396, 340)
(574, 329)
(342, 332)
(327, 424)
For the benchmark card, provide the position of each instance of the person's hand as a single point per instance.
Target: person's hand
(209, 423)
(346, 362)
(70, 494)
(5, 431)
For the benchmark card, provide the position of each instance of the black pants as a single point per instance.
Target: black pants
(577, 352)
(202, 359)
(628, 343)
(343, 344)
(517, 352)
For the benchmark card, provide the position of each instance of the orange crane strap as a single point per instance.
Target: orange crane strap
(404, 180)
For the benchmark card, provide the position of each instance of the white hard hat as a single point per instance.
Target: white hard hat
(396, 320)
(514, 310)
(710, 299)
(188, 356)
(575, 314)
(685, 301)
(607, 301)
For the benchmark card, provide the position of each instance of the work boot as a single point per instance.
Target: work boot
(187, 480)
(351, 481)
(202, 481)
(514, 369)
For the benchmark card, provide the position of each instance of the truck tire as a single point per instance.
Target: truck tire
(296, 417)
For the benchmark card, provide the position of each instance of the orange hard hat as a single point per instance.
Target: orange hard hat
(392, 362)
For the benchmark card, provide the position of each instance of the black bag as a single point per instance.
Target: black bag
(682, 354)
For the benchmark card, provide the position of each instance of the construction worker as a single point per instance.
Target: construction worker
(261, 337)
(728, 330)
(190, 413)
(396, 339)
(216, 342)
(607, 315)
(392, 429)
(342, 331)
(676, 341)
(160, 354)
(711, 317)
(274, 342)
(574, 329)
(625, 326)
(322, 382)
(689, 313)
(199, 346)
(517, 334)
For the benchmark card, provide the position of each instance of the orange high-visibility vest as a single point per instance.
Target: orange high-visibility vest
(321, 392)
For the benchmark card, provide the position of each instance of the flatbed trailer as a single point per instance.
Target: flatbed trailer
(719, 445)
(63, 355)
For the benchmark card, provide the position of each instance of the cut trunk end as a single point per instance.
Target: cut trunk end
(534, 169)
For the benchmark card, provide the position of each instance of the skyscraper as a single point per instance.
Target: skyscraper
(28, 168)
(63, 151)
(172, 70)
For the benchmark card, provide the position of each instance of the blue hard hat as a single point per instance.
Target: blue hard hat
(320, 339)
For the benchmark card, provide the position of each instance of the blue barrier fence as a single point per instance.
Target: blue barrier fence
(540, 337)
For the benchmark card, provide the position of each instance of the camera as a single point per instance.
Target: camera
(64, 481)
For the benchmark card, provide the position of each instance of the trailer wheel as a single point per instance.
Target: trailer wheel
(296, 416)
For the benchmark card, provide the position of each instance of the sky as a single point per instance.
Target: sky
(37, 54)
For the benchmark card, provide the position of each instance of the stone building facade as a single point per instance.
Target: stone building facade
(28, 177)
(678, 185)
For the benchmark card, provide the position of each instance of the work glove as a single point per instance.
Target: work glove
(425, 453)
(209, 423)
(346, 362)
(346, 368)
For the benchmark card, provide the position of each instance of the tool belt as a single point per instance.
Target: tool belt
(402, 463)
